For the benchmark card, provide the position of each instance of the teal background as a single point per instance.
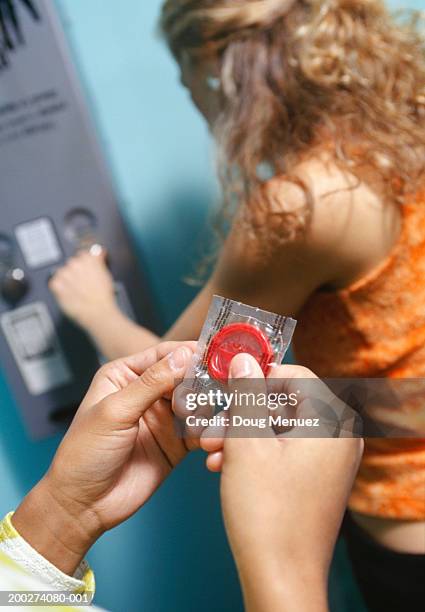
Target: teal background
(173, 555)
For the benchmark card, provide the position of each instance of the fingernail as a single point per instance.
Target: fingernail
(241, 366)
(179, 358)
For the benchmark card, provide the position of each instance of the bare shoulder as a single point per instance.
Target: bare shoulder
(351, 228)
(281, 275)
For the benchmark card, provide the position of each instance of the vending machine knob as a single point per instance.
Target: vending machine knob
(14, 285)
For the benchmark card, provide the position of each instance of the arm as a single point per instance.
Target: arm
(280, 282)
(283, 499)
(84, 290)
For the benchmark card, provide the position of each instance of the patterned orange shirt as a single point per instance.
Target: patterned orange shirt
(376, 328)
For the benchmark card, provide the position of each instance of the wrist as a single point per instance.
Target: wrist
(278, 583)
(56, 532)
(95, 320)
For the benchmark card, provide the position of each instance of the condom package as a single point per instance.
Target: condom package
(232, 328)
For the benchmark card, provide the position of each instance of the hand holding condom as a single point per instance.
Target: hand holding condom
(268, 486)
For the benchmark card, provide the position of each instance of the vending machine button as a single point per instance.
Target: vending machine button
(14, 285)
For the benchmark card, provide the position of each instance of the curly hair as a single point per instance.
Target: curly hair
(291, 68)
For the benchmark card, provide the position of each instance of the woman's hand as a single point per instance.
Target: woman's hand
(120, 447)
(84, 289)
(283, 501)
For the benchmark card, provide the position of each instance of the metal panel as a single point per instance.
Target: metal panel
(55, 196)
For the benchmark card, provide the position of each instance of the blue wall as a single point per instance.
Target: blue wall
(173, 555)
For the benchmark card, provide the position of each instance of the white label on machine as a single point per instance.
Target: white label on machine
(38, 243)
(35, 345)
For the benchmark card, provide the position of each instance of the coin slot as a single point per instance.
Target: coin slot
(80, 228)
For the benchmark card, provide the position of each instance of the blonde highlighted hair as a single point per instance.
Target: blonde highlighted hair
(292, 67)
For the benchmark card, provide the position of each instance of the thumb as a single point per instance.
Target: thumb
(127, 406)
(246, 382)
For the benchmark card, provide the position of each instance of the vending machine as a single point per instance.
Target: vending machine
(56, 198)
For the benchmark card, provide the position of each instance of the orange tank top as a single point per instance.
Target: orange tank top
(376, 328)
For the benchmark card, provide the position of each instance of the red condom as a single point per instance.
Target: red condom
(235, 339)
